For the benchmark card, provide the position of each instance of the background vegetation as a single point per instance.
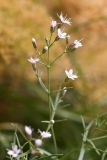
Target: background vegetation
(22, 100)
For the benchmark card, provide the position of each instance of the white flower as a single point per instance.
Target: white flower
(77, 44)
(38, 142)
(14, 152)
(34, 42)
(28, 130)
(62, 34)
(64, 20)
(53, 25)
(33, 60)
(70, 74)
(45, 134)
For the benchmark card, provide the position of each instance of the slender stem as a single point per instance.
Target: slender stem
(57, 58)
(51, 118)
(98, 138)
(84, 140)
(40, 81)
(57, 100)
(104, 155)
(54, 139)
(82, 152)
(50, 44)
(52, 113)
(11, 158)
(49, 81)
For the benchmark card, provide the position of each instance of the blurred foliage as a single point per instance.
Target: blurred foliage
(21, 99)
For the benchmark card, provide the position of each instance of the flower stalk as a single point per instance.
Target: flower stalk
(50, 102)
(35, 143)
(84, 140)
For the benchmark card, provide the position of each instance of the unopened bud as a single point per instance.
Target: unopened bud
(34, 43)
(38, 142)
(28, 131)
(45, 49)
(53, 26)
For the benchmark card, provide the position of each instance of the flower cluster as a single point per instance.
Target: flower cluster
(14, 152)
(55, 27)
(60, 35)
(43, 134)
(36, 142)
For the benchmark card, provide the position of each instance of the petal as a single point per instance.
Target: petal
(14, 147)
(67, 73)
(64, 34)
(75, 76)
(18, 151)
(71, 71)
(15, 155)
(10, 152)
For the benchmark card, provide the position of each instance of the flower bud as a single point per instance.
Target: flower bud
(34, 43)
(45, 49)
(53, 26)
(28, 131)
(38, 142)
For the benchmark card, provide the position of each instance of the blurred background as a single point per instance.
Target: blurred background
(22, 100)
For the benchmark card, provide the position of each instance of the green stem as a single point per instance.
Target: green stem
(51, 109)
(57, 58)
(104, 155)
(84, 140)
(54, 139)
(49, 82)
(57, 100)
(51, 118)
(82, 152)
(11, 158)
(98, 138)
(50, 44)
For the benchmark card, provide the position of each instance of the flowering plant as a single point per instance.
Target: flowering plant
(35, 150)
